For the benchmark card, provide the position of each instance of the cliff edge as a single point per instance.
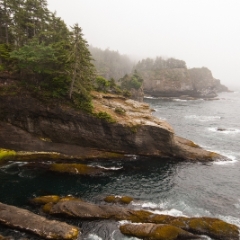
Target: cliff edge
(118, 125)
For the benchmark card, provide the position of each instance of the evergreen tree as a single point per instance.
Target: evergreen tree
(81, 69)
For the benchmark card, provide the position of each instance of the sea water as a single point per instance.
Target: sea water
(165, 186)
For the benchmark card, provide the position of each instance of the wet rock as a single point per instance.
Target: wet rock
(156, 232)
(45, 199)
(212, 227)
(118, 199)
(76, 168)
(3, 238)
(6, 154)
(221, 129)
(25, 220)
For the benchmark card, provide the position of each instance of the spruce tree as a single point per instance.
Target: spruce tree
(81, 68)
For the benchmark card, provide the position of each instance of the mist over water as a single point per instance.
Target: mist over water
(160, 185)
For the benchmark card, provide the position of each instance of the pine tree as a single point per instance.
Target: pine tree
(81, 69)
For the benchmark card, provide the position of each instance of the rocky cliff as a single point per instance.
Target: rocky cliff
(28, 124)
(171, 78)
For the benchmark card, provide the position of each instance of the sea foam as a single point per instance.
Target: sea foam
(203, 118)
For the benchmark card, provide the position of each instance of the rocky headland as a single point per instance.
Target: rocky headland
(172, 78)
(118, 126)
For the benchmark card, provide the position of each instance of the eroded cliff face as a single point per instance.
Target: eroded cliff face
(176, 82)
(26, 124)
(168, 82)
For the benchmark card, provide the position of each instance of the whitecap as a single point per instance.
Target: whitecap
(150, 97)
(11, 163)
(93, 237)
(203, 118)
(122, 222)
(109, 168)
(180, 100)
(134, 157)
(158, 208)
(149, 205)
(171, 212)
(230, 219)
(231, 161)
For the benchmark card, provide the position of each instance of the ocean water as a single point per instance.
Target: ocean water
(160, 185)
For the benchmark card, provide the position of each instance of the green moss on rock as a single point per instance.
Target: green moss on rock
(45, 199)
(118, 199)
(47, 207)
(215, 228)
(156, 231)
(75, 168)
(6, 154)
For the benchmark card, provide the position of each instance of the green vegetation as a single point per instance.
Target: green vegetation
(120, 111)
(105, 116)
(159, 63)
(128, 82)
(37, 47)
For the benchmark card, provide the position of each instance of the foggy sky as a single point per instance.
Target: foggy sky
(200, 32)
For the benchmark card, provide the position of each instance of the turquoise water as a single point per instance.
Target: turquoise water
(166, 186)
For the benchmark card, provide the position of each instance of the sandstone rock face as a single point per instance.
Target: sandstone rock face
(175, 82)
(27, 125)
(23, 219)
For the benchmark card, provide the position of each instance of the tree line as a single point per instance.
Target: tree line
(39, 47)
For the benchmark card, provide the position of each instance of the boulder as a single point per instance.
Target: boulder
(25, 220)
(212, 227)
(156, 232)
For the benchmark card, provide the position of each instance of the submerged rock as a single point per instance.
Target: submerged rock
(156, 232)
(76, 168)
(212, 227)
(25, 220)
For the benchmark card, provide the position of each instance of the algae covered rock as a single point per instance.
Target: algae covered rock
(25, 220)
(45, 199)
(212, 227)
(156, 231)
(76, 168)
(118, 199)
(6, 154)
